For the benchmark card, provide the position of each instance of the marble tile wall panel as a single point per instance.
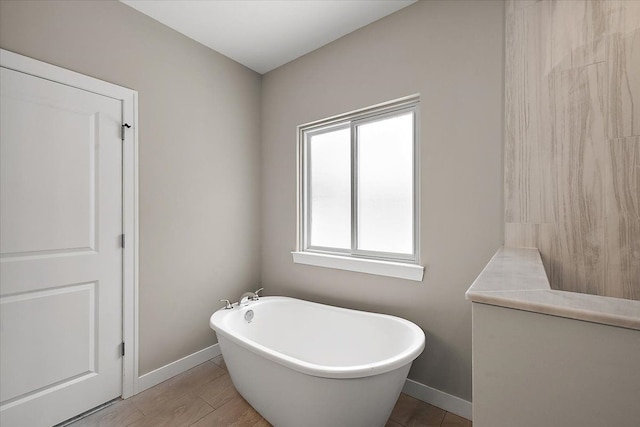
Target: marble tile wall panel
(513, 6)
(622, 16)
(579, 163)
(623, 59)
(577, 28)
(572, 108)
(522, 235)
(622, 218)
(528, 138)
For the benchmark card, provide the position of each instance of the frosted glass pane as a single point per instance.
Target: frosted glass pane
(385, 185)
(330, 189)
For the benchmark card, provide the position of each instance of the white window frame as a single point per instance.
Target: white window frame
(404, 266)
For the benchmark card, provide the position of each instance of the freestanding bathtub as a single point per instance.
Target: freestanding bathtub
(300, 363)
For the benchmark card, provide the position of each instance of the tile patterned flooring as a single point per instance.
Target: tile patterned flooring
(204, 396)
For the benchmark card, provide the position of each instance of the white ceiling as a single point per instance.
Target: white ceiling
(264, 34)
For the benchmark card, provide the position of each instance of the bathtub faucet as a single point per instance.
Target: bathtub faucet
(227, 304)
(249, 296)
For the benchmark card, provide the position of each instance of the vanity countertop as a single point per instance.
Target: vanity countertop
(515, 278)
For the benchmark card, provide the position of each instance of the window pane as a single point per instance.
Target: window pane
(330, 189)
(385, 185)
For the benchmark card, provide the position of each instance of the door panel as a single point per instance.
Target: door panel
(70, 341)
(66, 166)
(60, 255)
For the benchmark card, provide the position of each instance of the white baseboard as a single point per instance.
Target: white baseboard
(438, 398)
(174, 368)
(413, 388)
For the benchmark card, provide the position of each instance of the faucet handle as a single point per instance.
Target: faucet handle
(227, 305)
(256, 293)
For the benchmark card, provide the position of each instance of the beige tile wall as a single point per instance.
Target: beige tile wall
(572, 140)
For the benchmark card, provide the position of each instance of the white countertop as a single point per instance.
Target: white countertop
(515, 278)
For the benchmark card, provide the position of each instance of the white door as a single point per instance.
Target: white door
(60, 250)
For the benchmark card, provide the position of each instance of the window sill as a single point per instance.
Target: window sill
(381, 268)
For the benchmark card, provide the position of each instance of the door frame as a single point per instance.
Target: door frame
(129, 100)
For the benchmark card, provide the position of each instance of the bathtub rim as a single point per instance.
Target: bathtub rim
(407, 356)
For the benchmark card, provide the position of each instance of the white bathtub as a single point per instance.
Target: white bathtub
(300, 363)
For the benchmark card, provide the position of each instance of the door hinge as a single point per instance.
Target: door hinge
(122, 348)
(122, 240)
(124, 127)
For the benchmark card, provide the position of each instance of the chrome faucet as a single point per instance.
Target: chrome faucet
(249, 296)
(227, 304)
(246, 297)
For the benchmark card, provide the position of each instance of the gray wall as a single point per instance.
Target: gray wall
(200, 162)
(199, 157)
(533, 370)
(451, 52)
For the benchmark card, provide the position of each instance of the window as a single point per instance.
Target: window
(358, 191)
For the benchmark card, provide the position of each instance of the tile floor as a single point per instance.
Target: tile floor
(204, 396)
